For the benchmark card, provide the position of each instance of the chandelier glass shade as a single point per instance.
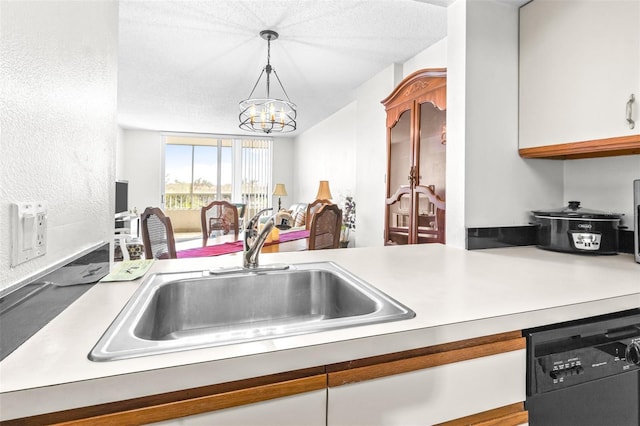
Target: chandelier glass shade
(268, 114)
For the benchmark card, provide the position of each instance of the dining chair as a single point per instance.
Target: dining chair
(157, 234)
(242, 207)
(220, 216)
(324, 230)
(312, 208)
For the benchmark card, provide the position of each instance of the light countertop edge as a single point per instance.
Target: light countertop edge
(456, 294)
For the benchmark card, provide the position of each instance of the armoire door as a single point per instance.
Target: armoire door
(400, 154)
(431, 161)
(416, 153)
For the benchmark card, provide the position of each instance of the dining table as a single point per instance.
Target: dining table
(287, 240)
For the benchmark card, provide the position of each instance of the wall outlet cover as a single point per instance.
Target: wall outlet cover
(28, 231)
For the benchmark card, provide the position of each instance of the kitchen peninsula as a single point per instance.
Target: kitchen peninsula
(457, 295)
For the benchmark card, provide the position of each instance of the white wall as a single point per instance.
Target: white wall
(456, 129)
(602, 184)
(143, 163)
(371, 155)
(283, 170)
(142, 167)
(499, 187)
(120, 154)
(58, 117)
(327, 152)
(435, 56)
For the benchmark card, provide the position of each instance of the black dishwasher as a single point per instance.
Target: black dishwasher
(585, 372)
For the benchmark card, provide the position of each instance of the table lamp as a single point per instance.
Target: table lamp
(280, 191)
(324, 193)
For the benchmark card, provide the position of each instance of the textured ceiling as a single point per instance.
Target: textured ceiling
(185, 65)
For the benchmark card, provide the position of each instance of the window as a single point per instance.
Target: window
(199, 170)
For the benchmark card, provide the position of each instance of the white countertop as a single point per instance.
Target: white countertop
(456, 294)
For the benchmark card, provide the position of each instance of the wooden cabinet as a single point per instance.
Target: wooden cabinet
(416, 159)
(434, 385)
(579, 73)
(481, 379)
(306, 409)
(290, 398)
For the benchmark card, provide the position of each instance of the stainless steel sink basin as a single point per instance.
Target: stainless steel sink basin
(180, 311)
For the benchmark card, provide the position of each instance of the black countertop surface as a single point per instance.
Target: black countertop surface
(24, 311)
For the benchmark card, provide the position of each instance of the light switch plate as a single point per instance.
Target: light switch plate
(28, 231)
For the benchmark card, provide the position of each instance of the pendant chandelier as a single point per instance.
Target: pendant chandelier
(268, 114)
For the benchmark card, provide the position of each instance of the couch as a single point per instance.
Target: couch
(294, 216)
(298, 212)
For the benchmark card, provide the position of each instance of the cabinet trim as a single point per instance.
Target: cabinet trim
(206, 404)
(622, 145)
(373, 368)
(509, 415)
(222, 389)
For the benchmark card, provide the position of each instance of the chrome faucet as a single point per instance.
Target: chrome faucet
(254, 240)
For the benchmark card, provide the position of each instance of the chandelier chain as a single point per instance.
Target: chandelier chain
(268, 67)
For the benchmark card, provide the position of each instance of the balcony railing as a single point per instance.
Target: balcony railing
(187, 201)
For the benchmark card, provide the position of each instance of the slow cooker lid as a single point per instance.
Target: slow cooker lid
(573, 210)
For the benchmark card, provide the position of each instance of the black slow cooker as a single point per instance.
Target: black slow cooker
(577, 230)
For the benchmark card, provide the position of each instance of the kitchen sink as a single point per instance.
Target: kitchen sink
(189, 310)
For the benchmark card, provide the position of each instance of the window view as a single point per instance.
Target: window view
(200, 170)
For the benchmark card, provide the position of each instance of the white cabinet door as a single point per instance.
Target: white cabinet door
(306, 409)
(579, 64)
(431, 395)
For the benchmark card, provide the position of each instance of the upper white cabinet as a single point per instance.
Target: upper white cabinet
(579, 66)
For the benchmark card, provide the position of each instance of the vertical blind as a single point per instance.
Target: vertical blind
(256, 174)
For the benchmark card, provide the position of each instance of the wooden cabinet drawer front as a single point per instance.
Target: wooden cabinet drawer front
(208, 403)
(431, 395)
(307, 409)
(437, 355)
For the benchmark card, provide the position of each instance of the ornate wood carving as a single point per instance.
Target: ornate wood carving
(402, 190)
(432, 196)
(415, 87)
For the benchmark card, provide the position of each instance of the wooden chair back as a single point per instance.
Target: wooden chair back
(241, 213)
(324, 230)
(313, 208)
(157, 234)
(219, 215)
